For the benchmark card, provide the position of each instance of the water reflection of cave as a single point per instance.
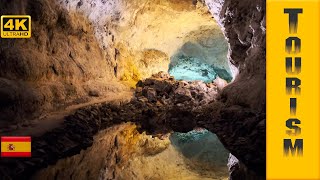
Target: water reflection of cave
(202, 57)
(201, 147)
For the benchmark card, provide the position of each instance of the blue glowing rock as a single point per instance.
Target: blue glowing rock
(192, 69)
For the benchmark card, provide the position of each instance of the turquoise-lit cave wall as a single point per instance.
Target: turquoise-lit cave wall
(192, 69)
(202, 57)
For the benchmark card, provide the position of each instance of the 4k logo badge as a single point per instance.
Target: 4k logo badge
(15, 26)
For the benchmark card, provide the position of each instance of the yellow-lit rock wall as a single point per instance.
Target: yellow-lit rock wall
(84, 48)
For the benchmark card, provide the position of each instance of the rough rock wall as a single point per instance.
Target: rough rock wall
(238, 118)
(142, 35)
(206, 47)
(163, 27)
(243, 23)
(84, 46)
(58, 66)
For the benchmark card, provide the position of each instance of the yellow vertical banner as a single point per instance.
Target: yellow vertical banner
(293, 81)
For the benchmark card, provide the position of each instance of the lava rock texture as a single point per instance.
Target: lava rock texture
(238, 118)
(57, 67)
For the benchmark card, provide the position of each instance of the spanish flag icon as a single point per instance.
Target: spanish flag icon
(15, 146)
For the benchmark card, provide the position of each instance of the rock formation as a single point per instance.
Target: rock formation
(243, 24)
(55, 68)
(80, 50)
(80, 47)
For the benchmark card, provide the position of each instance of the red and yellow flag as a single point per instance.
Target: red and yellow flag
(15, 146)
